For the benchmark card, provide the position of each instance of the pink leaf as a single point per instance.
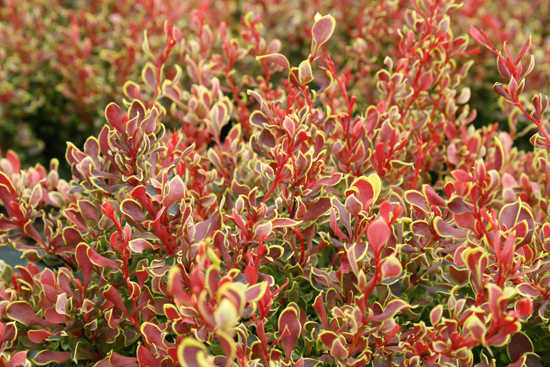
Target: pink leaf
(262, 231)
(480, 37)
(149, 75)
(277, 59)
(12, 157)
(444, 229)
(284, 222)
(391, 267)
(435, 314)
(138, 245)
(322, 30)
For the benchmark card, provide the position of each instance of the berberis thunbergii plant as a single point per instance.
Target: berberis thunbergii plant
(241, 209)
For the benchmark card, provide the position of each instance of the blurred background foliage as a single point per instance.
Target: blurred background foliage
(61, 62)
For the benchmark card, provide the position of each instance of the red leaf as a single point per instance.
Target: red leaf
(8, 334)
(417, 199)
(425, 81)
(327, 337)
(112, 295)
(50, 356)
(289, 328)
(458, 206)
(191, 353)
(23, 312)
(476, 260)
(385, 211)
(132, 209)
(101, 261)
(338, 348)
(527, 289)
(38, 336)
(319, 306)
(495, 294)
(118, 360)
(84, 263)
(113, 114)
(176, 288)
(521, 362)
(368, 189)
(12, 157)
(391, 309)
(316, 209)
(305, 74)
(519, 345)
(251, 273)
(145, 357)
(71, 236)
(176, 191)
(109, 210)
(18, 359)
(153, 334)
(88, 210)
(422, 228)
(256, 292)
(378, 234)
(501, 90)
(525, 307)
(140, 194)
(334, 225)
(509, 214)
(433, 197)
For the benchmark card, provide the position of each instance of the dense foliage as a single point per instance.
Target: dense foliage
(277, 183)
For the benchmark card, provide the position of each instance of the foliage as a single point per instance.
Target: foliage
(64, 60)
(245, 208)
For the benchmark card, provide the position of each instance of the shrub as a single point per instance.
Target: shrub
(259, 210)
(64, 60)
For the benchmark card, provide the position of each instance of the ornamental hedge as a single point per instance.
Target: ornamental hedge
(275, 183)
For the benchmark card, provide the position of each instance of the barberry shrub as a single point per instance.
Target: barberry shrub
(64, 60)
(245, 208)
